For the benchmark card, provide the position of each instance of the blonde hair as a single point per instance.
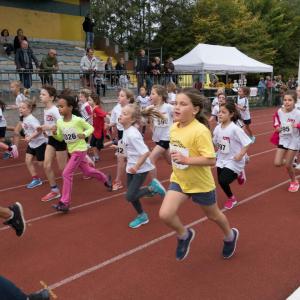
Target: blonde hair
(161, 91)
(171, 86)
(138, 114)
(30, 103)
(85, 92)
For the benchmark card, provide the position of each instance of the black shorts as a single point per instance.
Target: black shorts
(2, 132)
(22, 132)
(163, 144)
(284, 148)
(98, 143)
(21, 118)
(120, 134)
(38, 152)
(247, 122)
(57, 145)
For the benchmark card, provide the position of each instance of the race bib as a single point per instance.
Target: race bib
(183, 151)
(70, 135)
(121, 149)
(286, 128)
(161, 122)
(224, 146)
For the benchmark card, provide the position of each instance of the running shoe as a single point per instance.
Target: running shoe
(51, 196)
(241, 179)
(139, 221)
(183, 246)
(34, 183)
(14, 153)
(42, 295)
(61, 207)
(108, 183)
(6, 155)
(156, 187)
(253, 138)
(17, 222)
(294, 186)
(117, 185)
(229, 247)
(230, 203)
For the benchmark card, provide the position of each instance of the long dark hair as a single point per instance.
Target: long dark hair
(71, 101)
(198, 100)
(231, 107)
(51, 90)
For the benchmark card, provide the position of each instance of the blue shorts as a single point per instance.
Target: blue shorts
(207, 198)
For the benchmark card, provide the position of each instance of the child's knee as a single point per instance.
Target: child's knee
(165, 215)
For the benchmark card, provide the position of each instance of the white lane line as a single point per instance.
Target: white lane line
(295, 295)
(23, 185)
(149, 243)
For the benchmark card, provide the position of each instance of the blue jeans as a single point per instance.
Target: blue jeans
(26, 79)
(9, 291)
(89, 40)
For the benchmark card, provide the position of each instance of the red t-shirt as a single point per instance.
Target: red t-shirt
(98, 121)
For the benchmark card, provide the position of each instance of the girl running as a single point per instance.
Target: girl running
(125, 97)
(232, 144)
(54, 147)
(36, 141)
(193, 155)
(97, 140)
(216, 108)
(74, 130)
(144, 101)
(287, 123)
(85, 108)
(138, 162)
(243, 107)
(171, 89)
(161, 127)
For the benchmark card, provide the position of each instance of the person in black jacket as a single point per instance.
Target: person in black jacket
(141, 68)
(88, 28)
(24, 62)
(18, 39)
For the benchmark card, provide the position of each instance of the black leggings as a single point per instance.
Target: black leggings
(225, 178)
(134, 190)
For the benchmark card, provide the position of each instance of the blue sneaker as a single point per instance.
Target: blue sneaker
(157, 188)
(139, 220)
(34, 183)
(6, 155)
(229, 247)
(183, 246)
(253, 138)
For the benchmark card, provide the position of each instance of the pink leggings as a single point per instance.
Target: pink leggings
(78, 160)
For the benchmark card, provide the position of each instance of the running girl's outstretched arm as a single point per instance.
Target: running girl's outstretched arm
(241, 154)
(88, 128)
(139, 162)
(193, 161)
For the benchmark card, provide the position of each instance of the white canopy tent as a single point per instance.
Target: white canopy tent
(219, 59)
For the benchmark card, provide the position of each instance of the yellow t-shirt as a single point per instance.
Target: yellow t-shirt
(192, 140)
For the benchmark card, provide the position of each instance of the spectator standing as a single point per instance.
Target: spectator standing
(121, 73)
(109, 71)
(269, 85)
(169, 69)
(48, 65)
(88, 65)
(261, 88)
(141, 68)
(18, 39)
(6, 42)
(24, 63)
(88, 28)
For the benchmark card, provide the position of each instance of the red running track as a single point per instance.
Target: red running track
(91, 253)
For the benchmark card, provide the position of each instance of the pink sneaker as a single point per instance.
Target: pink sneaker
(14, 151)
(294, 186)
(241, 179)
(50, 196)
(230, 203)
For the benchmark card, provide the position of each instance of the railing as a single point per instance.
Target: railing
(107, 83)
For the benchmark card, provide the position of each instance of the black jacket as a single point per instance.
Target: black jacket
(142, 64)
(20, 62)
(88, 25)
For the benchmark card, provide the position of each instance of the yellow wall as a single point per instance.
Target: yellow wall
(44, 25)
(75, 2)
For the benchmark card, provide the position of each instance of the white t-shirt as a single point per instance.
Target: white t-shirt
(161, 128)
(171, 98)
(143, 101)
(86, 112)
(289, 137)
(19, 99)
(215, 102)
(51, 115)
(245, 114)
(115, 115)
(230, 141)
(297, 105)
(2, 119)
(215, 111)
(30, 124)
(134, 148)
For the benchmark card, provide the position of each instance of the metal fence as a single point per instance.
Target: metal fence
(107, 83)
